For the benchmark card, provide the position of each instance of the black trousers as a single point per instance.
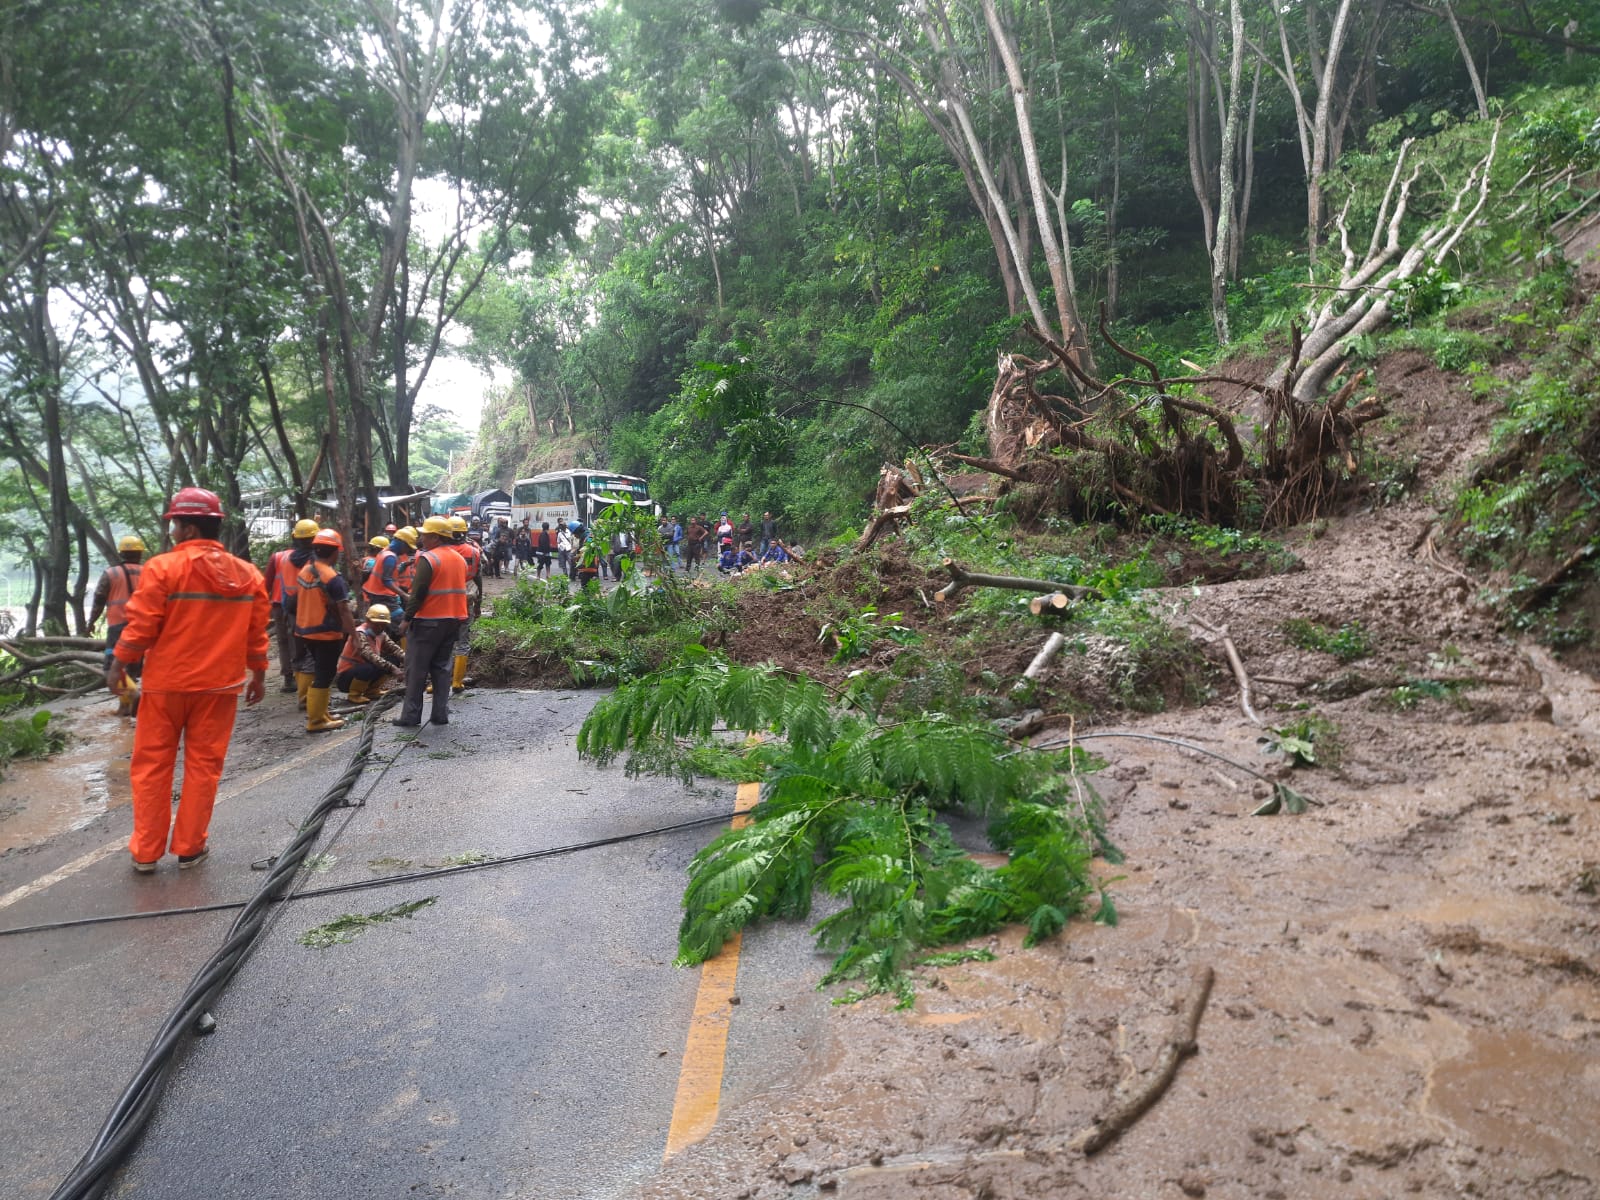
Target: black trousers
(324, 658)
(430, 647)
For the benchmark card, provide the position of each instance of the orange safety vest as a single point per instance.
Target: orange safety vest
(405, 570)
(447, 590)
(470, 555)
(350, 659)
(375, 586)
(282, 573)
(124, 583)
(313, 610)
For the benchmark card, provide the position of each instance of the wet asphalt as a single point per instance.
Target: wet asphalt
(521, 1036)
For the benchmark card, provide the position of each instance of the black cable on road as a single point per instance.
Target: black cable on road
(362, 885)
(133, 1109)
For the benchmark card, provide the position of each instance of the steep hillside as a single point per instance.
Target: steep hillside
(508, 446)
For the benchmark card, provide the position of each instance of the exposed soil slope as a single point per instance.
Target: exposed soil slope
(1406, 993)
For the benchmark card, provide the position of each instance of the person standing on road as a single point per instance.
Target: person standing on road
(381, 584)
(281, 571)
(322, 619)
(116, 587)
(696, 541)
(199, 624)
(564, 550)
(439, 611)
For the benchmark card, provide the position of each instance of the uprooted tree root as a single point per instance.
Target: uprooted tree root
(1149, 445)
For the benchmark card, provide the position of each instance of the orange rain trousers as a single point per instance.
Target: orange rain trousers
(204, 721)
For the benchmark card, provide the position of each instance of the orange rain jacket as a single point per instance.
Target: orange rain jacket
(199, 620)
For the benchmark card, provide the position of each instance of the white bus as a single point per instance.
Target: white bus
(573, 495)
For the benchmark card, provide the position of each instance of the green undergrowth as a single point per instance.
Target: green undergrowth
(29, 737)
(545, 630)
(855, 807)
(1124, 650)
(1534, 502)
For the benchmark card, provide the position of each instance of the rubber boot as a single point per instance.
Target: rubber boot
(358, 692)
(459, 679)
(317, 718)
(377, 687)
(302, 684)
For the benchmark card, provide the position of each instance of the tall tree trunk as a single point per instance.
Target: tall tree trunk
(1057, 250)
(1472, 67)
(1227, 166)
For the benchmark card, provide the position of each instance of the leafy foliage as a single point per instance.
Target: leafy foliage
(1347, 643)
(29, 737)
(851, 807)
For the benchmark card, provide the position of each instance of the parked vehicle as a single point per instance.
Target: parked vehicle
(577, 494)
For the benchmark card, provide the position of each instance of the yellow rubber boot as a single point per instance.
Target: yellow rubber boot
(459, 679)
(302, 684)
(358, 692)
(317, 718)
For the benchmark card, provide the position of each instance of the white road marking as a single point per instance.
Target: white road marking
(110, 848)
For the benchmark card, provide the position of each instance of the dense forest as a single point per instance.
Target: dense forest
(749, 251)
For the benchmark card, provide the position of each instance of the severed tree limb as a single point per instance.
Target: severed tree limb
(1051, 648)
(1051, 602)
(1235, 662)
(880, 520)
(960, 577)
(1180, 1044)
(40, 641)
(988, 464)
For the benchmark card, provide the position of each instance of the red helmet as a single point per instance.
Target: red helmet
(328, 537)
(194, 502)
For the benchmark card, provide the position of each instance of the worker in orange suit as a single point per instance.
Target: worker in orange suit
(199, 623)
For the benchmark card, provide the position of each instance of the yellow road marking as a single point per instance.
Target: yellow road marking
(694, 1108)
(110, 848)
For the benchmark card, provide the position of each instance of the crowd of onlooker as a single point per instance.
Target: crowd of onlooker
(731, 548)
(570, 550)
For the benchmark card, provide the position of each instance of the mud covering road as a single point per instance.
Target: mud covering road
(1407, 976)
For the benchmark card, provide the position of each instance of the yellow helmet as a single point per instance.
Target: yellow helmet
(458, 524)
(378, 613)
(379, 543)
(129, 544)
(304, 528)
(407, 534)
(436, 525)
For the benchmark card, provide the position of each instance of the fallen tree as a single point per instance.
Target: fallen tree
(1149, 442)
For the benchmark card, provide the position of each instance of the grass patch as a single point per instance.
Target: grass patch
(1347, 643)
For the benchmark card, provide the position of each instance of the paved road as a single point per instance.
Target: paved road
(522, 1036)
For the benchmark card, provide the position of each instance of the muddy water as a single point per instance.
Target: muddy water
(39, 800)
